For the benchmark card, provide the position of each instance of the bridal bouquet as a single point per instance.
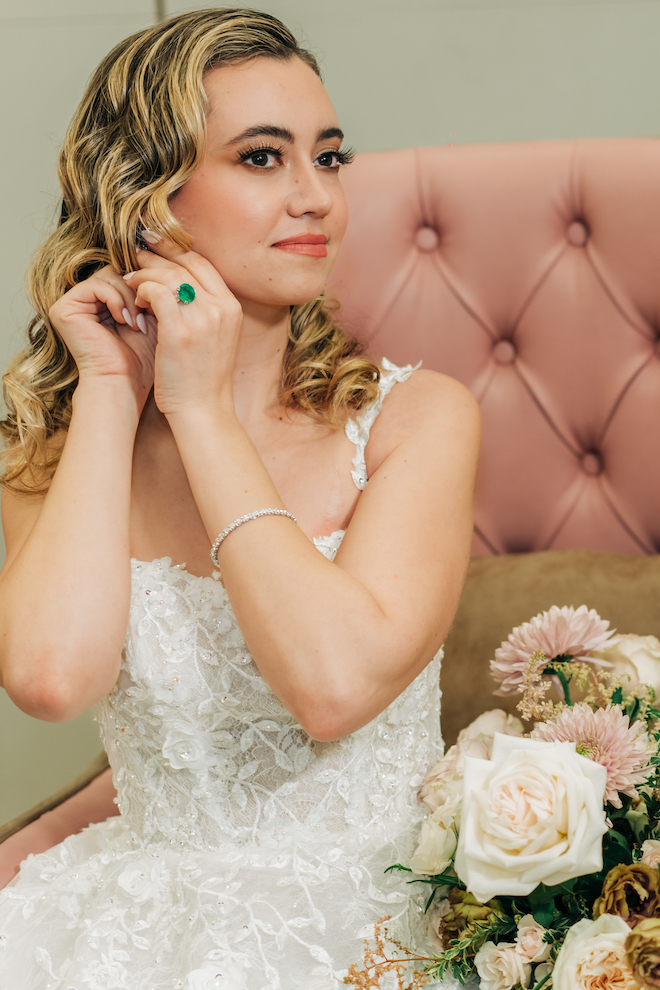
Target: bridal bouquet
(542, 849)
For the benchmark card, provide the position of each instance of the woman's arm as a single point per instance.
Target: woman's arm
(336, 642)
(65, 586)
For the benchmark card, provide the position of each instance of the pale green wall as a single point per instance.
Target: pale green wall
(400, 72)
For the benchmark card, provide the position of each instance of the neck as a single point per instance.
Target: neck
(258, 363)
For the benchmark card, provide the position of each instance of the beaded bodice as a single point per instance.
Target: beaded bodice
(204, 753)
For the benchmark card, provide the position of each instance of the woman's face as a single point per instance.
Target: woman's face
(266, 207)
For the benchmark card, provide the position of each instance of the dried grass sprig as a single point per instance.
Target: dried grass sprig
(377, 963)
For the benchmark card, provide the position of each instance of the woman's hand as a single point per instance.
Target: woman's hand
(106, 332)
(196, 341)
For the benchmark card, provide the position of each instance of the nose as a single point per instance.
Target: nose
(309, 194)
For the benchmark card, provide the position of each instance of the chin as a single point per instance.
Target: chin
(283, 296)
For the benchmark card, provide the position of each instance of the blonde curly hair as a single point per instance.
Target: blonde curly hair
(137, 136)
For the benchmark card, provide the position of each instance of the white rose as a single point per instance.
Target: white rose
(141, 880)
(442, 785)
(217, 976)
(477, 739)
(651, 852)
(446, 777)
(593, 955)
(637, 656)
(541, 971)
(437, 841)
(500, 967)
(532, 814)
(186, 749)
(529, 941)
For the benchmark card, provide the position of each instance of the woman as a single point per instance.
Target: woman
(184, 386)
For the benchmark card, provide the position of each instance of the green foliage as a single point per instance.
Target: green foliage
(458, 957)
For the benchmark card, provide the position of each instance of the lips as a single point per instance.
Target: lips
(312, 245)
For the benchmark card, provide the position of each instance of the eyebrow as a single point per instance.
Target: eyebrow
(284, 134)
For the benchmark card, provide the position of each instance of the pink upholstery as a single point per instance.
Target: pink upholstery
(531, 273)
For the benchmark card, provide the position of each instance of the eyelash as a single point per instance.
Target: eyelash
(344, 156)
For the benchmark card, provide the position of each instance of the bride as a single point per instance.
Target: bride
(267, 707)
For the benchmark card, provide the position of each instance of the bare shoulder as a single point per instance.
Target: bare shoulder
(425, 407)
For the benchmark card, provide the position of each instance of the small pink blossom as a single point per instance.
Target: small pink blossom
(567, 631)
(606, 737)
(529, 940)
(651, 852)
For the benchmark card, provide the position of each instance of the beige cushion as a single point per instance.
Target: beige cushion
(502, 592)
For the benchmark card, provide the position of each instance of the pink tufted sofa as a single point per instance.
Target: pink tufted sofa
(531, 273)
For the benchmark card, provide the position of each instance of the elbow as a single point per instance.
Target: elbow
(42, 698)
(327, 719)
(42, 690)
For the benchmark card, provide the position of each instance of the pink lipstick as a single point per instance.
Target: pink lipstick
(312, 245)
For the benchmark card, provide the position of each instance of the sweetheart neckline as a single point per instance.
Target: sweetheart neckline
(167, 561)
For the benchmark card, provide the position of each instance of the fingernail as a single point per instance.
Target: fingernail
(128, 275)
(127, 317)
(141, 322)
(150, 237)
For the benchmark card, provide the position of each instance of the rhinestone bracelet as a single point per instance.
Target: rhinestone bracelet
(239, 522)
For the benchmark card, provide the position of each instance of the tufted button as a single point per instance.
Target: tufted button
(577, 233)
(591, 463)
(427, 239)
(504, 351)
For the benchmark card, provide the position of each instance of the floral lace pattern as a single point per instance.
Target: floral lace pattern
(247, 856)
(358, 429)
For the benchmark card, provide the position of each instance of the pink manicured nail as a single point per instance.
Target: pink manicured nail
(141, 322)
(128, 318)
(128, 275)
(150, 237)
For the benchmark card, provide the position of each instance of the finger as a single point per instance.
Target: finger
(164, 248)
(142, 345)
(172, 276)
(131, 310)
(162, 302)
(86, 296)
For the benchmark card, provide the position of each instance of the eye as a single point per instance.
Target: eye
(262, 158)
(333, 159)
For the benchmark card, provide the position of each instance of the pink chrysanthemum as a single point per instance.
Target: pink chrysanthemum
(565, 631)
(604, 736)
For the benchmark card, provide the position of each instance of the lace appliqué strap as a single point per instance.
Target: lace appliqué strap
(358, 429)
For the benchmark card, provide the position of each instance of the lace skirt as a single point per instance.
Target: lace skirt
(103, 911)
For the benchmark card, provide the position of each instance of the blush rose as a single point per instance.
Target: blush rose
(501, 967)
(593, 957)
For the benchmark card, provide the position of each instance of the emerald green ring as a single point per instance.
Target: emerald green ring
(185, 293)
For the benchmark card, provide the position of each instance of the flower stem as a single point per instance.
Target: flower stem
(565, 684)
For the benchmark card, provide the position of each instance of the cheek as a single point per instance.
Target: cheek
(340, 214)
(226, 220)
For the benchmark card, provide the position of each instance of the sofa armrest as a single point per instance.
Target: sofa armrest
(86, 800)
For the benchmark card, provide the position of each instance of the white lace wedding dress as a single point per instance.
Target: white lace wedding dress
(247, 856)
